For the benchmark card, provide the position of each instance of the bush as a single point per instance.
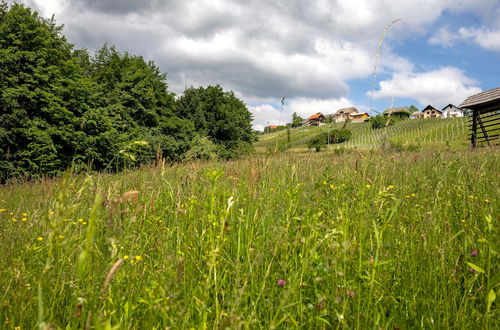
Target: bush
(338, 136)
(317, 143)
(380, 121)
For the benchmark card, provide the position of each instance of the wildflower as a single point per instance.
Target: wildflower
(14, 220)
(80, 220)
(3, 210)
(472, 270)
(39, 239)
(281, 282)
(474, 253)
(51, 212)
(60, 236)
(24, 219)
(351, 293)
(341, 318)
(84, 223)
(368, 186)
(390, 186)
(413, 195)
(324, 183)
(138, 258)
(486, 200)
(25, 214)
(471, 196)
(125, 257)
(332, 186)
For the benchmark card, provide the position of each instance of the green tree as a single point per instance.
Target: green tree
(296, 120)
(219, 115)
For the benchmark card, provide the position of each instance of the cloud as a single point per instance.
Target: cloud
(312, 51)
(439, 87)
(265, 114)
(486, 38)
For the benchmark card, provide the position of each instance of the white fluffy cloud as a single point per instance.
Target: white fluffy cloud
(309, 50)
(486, 38)
(440, 87)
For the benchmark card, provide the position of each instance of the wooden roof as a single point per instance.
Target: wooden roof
(396, 110)
(346, 110)
(476, 101)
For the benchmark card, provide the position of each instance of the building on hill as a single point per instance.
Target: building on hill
(401, 112)
(359, 117)
(431, 112)
(345, 114)
(316, 120)
(451, 111)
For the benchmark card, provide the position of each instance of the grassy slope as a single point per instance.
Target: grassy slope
(419, 131)
(362, 240)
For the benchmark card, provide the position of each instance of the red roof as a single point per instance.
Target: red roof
(316, 116)
(273, 126)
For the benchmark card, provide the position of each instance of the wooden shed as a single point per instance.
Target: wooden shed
(484, 123)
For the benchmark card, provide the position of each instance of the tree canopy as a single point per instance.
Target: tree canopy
(62, 107)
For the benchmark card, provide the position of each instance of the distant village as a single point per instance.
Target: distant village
(354, 116)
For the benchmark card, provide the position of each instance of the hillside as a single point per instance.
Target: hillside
(419, 132)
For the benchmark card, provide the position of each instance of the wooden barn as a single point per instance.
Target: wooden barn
(484, 123)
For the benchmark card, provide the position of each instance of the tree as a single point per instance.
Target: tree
(219, 115)
(412, 108)
(296, 120)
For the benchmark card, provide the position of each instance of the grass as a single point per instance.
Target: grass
(423, 132)
(358, 240)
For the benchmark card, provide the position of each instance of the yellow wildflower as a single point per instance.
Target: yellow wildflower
(471, 196)
(25, 214)
(24, 219)
(486, 200)
(368, 186)
(324, 183)
(390, 186)
(84, 223)
(60, 236)
(51, 212)
(3, 210)
(14, 220)
(39, 239)
(413, 195)
(80, 220)
(138, 258)
(125, 257)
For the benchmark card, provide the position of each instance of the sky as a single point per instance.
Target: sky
(320, 54)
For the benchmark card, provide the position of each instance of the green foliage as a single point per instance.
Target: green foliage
(63, 108)
(413, 108)
(317, 143)
(338, 136)
(296, 120)
(380, 121)
(219, 115)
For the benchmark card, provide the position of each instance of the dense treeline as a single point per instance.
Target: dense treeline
(62, 107)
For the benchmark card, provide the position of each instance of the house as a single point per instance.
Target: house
(359, 117)
(451, 111)
(345, 114)
(431, 112)
(273, 127)
(401, 112)
(315, 120)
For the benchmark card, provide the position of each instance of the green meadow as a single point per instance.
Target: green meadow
(355, 239)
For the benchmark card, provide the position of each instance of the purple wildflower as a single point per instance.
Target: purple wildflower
(472, 270)
(351, 293)
(474, 253)
(281, 282)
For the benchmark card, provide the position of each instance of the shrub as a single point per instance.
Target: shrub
(317, 143)
(380, 121)
(338, 136)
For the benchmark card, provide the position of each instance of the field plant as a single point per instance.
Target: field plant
(389, 240)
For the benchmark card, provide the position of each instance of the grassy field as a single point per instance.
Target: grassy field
(355, 240)
(423, 132)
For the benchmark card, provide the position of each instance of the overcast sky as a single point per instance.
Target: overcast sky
(320, 54)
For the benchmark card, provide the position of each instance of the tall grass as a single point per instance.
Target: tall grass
(361, 240)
